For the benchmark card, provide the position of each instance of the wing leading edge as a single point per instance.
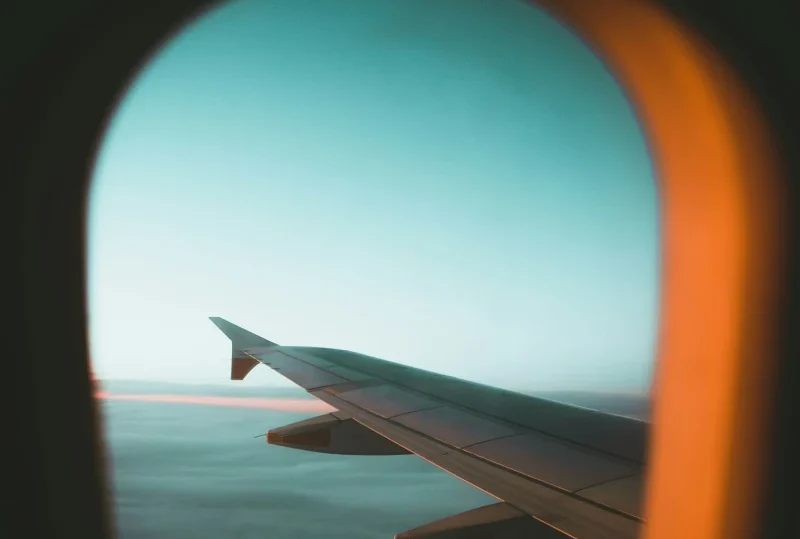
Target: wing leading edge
(579, 471)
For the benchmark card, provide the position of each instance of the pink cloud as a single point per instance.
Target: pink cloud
(283, 404)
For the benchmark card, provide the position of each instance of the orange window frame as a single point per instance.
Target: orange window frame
(720, 206)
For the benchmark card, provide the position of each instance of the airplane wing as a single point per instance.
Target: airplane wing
(557, 470)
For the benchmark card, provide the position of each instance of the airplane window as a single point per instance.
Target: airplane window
(453, 185)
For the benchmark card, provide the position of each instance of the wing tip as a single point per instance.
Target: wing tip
(240, 337)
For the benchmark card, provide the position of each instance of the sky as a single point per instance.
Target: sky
(456, 185)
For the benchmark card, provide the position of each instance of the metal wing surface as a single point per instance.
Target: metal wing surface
(578, 472)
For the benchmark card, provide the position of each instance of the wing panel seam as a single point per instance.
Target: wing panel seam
(571, 494)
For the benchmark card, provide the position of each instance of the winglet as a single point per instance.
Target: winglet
(241, 339)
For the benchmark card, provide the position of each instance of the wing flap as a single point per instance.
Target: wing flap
(561, 510)
(495, 521)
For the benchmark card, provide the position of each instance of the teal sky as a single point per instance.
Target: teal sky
(455, 185)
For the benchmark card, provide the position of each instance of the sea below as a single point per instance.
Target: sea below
(185, 464)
